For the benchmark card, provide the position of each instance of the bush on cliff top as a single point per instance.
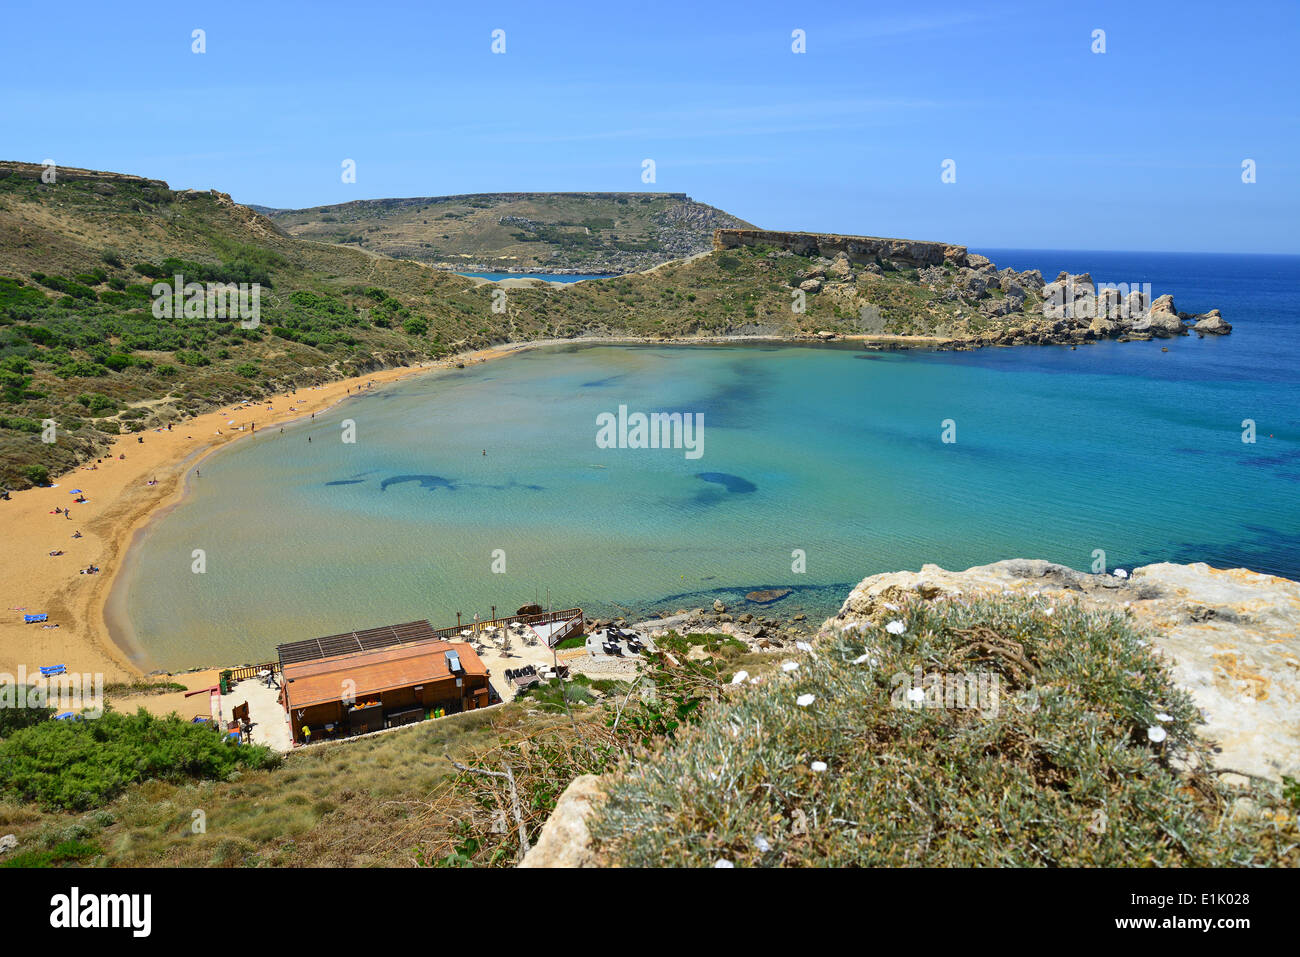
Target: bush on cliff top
(1058, 770)
(77, 765)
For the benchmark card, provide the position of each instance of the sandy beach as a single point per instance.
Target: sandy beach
(121, 500)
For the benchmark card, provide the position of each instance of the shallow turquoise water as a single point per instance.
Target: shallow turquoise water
(1118, 446)
(831, 451)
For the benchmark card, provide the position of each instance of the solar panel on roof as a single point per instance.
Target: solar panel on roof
(352, 642)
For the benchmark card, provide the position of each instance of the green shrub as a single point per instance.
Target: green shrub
(14, 718)
(1055, 768)
(84, 764)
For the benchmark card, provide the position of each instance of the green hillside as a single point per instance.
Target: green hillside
(79, 342)
(519, 232)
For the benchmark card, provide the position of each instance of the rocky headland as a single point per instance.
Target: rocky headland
(973, 303)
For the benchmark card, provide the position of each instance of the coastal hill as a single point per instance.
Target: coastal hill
(595, 233)
(80, 343)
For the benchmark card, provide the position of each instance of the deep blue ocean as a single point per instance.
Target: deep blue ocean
(829, 453)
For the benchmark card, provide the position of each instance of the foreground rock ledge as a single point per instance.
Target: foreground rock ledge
(564, 840)
(1230, 637)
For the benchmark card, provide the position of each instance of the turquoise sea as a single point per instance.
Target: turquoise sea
(833, 452)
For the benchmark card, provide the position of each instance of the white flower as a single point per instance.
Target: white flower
(790, 666)
(1050, 612)
(804, 700)
(895, 627)
(1120, 573)
(891, 606)
(818, 766)
(740, 677)
(916, 694)
(1156, 734)
(753, 680)
(761, 843)
(803, 646)
(861, 659)
(1164, 717)
(724, 863)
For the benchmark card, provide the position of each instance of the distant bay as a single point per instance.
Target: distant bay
(834, 453)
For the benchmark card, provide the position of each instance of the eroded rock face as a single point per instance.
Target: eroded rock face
(855, 248)
(1230, 637)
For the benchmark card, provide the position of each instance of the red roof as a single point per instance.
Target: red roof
(371, 672)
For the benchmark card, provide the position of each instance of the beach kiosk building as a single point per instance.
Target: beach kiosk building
(363, 681)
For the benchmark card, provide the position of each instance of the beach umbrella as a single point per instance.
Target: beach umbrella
(75, 491)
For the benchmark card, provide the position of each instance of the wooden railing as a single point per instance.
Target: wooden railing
(545, 618)
(575, 625)
(251, 671)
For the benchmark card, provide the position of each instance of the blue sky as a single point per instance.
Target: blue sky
(1137, 148)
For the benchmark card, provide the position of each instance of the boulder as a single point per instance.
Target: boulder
(1213, 324)
(565, 840)
(956, 255)
(972, 284)
(718, 606)
(1103, 328)
(767, 596)
(840, 269)
(811, 285)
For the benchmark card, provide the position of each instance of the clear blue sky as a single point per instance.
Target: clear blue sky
(1139, 148)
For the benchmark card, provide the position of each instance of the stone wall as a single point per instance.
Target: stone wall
(911, 252)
